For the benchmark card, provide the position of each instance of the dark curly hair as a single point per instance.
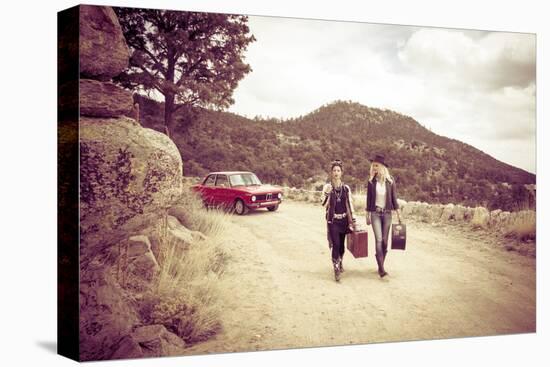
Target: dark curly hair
(335, 163)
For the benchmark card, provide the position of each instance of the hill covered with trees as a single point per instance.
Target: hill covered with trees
(297, 152)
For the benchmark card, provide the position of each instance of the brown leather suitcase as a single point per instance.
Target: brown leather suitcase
(357, 243)
(398, 236)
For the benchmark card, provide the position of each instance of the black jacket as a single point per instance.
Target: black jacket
(331, 198)
(391, 196)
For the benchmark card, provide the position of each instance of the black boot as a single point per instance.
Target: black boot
(380, 262)
(341, 265)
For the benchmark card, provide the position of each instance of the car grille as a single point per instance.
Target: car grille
(266, 197)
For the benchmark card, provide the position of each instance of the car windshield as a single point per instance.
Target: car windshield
(244, 179)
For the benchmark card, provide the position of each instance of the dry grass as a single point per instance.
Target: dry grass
(185, 298)
(524, 205)
(199, 219)
(359, 203)
(523, 228)
(480, 218)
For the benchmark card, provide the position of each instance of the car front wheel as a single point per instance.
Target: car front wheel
(239, 207)
(273, 208)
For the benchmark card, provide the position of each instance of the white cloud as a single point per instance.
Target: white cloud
(474, 86)
(495, 61)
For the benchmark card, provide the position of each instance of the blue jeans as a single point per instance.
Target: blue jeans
(381, 223)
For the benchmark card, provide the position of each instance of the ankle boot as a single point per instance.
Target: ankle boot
(380, 262)
(384, 261)
(336, 265)
(341, 265)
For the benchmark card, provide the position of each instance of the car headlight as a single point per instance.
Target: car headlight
(253, 198)
(279, 195)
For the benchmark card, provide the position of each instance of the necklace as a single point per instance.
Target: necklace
(338, 192)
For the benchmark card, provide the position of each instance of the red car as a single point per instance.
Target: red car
(240, 191)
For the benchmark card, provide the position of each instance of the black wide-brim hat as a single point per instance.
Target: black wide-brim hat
(379, 158)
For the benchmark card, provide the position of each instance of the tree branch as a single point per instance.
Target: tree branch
(155, 81)
(152, 56)
(190, 70)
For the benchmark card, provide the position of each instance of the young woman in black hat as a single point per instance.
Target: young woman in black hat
(339, 215)
(381, 200)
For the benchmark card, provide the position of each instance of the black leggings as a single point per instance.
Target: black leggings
(337, 233)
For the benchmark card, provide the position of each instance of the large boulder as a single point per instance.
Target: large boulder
(138, 246)
(141, 272)
(104, 99)
(181, 233)
(127, 348)
(170, 232)
(182, 214)
(103, 50)
(155, 239)
(141, 263)
(149, 341)
(106, 314)
(129, 175)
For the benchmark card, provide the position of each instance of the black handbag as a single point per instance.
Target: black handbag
(398, 236)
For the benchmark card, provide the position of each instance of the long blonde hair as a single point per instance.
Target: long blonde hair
(382, 176)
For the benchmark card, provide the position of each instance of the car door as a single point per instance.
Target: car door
(207, 190)
(221, 191)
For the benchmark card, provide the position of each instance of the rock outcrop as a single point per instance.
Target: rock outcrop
(129, 176)
(149, 341)
(479, 217)
(105, 316)
(127, 173)
(104, 99)
(103, 49)
(140, 264)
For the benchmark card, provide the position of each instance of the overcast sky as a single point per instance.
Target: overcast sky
(474, 86)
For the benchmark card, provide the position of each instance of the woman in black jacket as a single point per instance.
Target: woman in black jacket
(339, 215)
(381, 200)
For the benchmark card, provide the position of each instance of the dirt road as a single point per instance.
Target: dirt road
(281, 292)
